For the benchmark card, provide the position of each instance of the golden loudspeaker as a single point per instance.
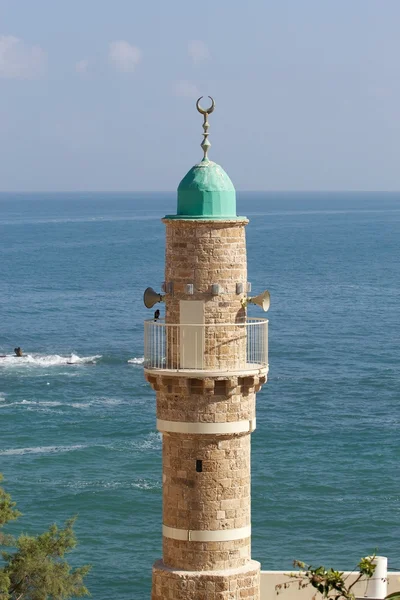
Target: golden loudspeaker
(263, 300)
(150, 297)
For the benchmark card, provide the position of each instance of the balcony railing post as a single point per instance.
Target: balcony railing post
(216, 347)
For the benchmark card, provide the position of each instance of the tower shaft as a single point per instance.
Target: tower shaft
(206, 362)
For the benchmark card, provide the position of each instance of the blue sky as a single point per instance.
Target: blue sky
(100, 95)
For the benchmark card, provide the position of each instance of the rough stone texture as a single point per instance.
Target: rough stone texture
(206, 478)
(218, 498)
(234, 584)
(193, 406)
(202, 254)
(206, 556)
(203, 384)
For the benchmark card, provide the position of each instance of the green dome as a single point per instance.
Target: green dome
(206, 192)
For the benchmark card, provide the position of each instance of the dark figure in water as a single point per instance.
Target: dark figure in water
(18, 351)
(157, 315)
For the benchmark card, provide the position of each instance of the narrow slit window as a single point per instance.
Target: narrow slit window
(199, 466)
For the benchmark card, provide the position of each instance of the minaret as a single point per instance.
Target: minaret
(206, 361)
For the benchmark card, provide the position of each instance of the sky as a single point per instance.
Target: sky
(100, 96)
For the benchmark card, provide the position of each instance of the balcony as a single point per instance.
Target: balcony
(206, 349)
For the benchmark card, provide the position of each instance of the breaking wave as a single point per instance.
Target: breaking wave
(51, 360)
(136, 361)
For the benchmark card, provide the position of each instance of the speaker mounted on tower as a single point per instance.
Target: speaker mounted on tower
(151, 297)
(263, 300)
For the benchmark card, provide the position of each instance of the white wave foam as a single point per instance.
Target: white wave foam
(40, 450)
(95, 402)
(146, 484)
(55, 403)
(50, 404)
(2, 397)
(18, 403)
(36, 405)
(152, 441)
(51, 360)
(106, 401)
(50, 411)
(94, 484)
(136, 361)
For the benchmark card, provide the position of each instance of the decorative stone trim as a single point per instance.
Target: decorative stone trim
(206, 428)
(204, 535)
(178, 381)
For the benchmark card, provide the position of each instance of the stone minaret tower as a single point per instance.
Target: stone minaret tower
(206, 361)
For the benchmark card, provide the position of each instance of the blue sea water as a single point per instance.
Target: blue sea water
(80, 438)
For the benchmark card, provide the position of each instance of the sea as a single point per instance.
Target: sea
(77, 418)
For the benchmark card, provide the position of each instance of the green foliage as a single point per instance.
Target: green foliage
(7, 510)
(327, 582)
(36, 568)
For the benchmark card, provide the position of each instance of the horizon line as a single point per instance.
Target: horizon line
(267, 191)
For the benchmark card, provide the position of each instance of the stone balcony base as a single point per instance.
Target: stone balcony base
(243, 582)
(205, 382)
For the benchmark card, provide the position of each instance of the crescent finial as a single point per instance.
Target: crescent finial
(205, 144)
(205, 111)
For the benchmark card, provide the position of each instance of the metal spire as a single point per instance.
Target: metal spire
(205, 144)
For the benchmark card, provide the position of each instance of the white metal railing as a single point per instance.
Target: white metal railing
(220, 346)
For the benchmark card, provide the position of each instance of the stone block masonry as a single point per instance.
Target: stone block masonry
(206, 489)
(238, 584)
(206, 419)
(203, 253)
(215, 499)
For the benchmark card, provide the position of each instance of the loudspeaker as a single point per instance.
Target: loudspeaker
(263, 300)
(150, 297)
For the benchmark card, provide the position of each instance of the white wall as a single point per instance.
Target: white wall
(269, 579)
